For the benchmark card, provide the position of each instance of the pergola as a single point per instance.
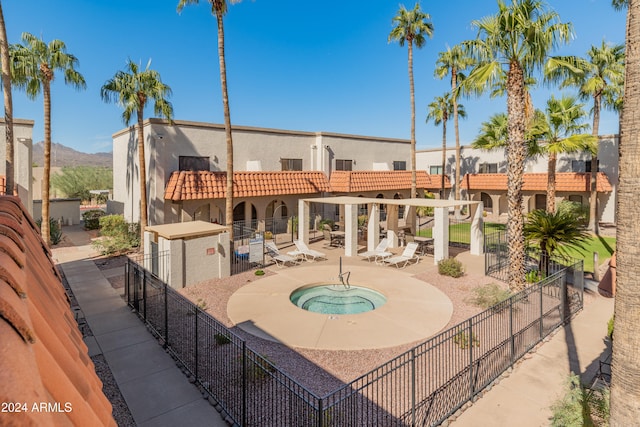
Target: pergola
(440, 229)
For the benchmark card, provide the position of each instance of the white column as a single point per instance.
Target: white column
(440, 234)
(373, 226)
(477, 229)
(351, 230)
(303, 220)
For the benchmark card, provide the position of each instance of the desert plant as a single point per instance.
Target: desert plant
(324, 221)
(489, 295)
(362, 220)
(55, 230)
(451, 267)
(221, 339)
(534, 276)
(118, 236)
(610, 328)
(259, 273)
(579, 211)
(464, 341)
(580, 406)
(91, 218)
(113, 225)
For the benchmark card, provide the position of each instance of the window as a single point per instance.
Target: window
(193, 163)
(399, 165)
(435, 170)
(575, 198)
(488, 168)
(291, 164)
(582, 166)
(344, 165)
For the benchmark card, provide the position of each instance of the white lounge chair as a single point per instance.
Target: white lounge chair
(280, 259)
(409, 255)
(302, 250)
(379, 253)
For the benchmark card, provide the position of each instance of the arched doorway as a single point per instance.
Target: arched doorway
(276, 216)
(487, 202)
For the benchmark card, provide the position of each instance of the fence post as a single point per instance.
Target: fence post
(413, 386)
(244, 383)
(195, 369)
(166, 316)
(144, 294)
(127, 282)
(136, 275)
(563, 297)
(320, 410)
(512, 338)
(471, 385)
(541, 311)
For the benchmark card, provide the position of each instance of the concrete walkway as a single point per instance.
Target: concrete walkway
(525, 397)
(155, 389)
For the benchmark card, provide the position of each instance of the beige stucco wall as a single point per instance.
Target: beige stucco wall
(23, 158)
(65, 210)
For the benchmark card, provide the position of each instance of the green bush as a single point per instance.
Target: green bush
(580, 406)
(575, 209)
(487, 296)
(92, 218)
(118, 236)
(451, 267)
(55, 231)
(462, 339)
(610, 328)
(322, 222)
(534, 276)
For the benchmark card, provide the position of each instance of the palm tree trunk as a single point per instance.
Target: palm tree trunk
(454, 84)
(625, 369)
(413, 124)
(516, 156)
(444, 155)
(142, 177)
(46, 174)
(8, 106)
(227, 124)
(551, 183)
(593, 197)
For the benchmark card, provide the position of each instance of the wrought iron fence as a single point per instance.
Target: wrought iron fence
(423, 386)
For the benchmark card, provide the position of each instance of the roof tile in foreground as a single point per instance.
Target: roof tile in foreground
(196, 185)
(357, 181)
(565, 181)
(43, 361)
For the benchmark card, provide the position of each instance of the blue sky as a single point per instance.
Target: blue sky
(291, 64)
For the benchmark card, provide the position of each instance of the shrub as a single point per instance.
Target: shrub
(580, 406)
(575, 209)
(487, 296)
(610, 328)
(451, 267)
(362, 220)
(462, 339)
(268, 235)
(55, 231)
(92, 218)
(322, 222)
(534, 276)
(119, 236)
(259, 273)
(221, 339)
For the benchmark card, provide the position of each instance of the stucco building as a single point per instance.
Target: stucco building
(23, 158)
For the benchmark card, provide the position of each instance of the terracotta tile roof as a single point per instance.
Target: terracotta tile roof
(194, 185)
(3, 186)
(565, 181)
(356, 181)
(43, 359)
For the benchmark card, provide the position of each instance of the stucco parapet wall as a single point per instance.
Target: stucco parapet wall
(204, 125)
(435, 203)
(20, 121)
(187, 230)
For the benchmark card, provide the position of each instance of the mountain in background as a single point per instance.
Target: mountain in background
(65, 156)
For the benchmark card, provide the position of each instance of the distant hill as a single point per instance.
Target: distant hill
(65, 156)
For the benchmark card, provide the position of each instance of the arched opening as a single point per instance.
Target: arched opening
(383, 208)
(398, 196)
(487, 202)
(239, 212)
(276, 216)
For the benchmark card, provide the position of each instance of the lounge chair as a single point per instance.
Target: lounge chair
(302, 250)
(379, 253)
(280, 259)
(409, 255)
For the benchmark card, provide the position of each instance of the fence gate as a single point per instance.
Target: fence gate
(247, 248)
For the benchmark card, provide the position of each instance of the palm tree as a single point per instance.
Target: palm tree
(34, 65)
(600, 77)
(8, 105)
(554, 233)
(219, 9)
(454, 61)
(411, 27)
(514, 42)
(439, 111)
(625, 367)
(131, 89)
(561, 131)
(494, 134)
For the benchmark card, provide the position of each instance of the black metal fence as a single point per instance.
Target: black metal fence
(423, 386)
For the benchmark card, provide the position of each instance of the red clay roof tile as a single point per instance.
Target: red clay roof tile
(193, 185)
(42, 356)
(565, 181)
(357, 181)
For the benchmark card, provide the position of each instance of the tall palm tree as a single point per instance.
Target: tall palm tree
(554, 233)
(219, 9)
(34, 65)
(625, 367)
(454, 61)
(514, 42)
(132, 89)
(600, 78)
(440, 110)
(411, 26)
(561, 130)
(494, 134)
(8, 105)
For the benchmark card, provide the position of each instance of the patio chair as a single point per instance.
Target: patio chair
(280, 259)
(302, 250)
(379, 253)
(409, 255)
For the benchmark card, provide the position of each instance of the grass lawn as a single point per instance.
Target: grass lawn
(604, 246)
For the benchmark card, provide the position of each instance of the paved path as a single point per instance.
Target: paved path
(524, 398)
(155, 389)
